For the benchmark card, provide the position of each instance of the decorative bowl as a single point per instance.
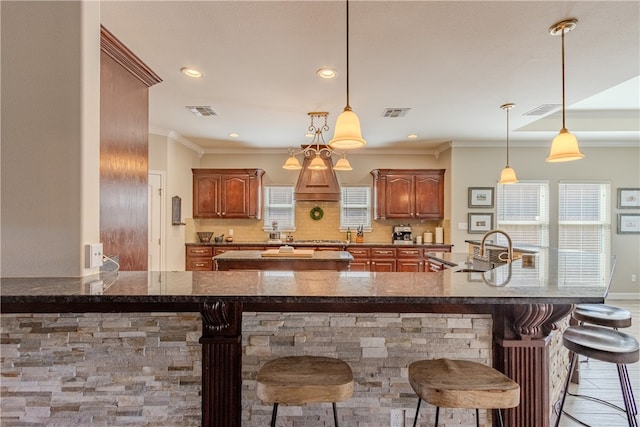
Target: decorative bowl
(204, 236)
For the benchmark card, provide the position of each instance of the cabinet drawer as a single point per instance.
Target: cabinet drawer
(409, 253)
(218, 251)
(383, 253)
(199, 264)
(359, 253)
(199, 251)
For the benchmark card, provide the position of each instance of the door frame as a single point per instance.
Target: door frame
(163, 215)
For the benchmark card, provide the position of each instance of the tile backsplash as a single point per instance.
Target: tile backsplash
(327, 228)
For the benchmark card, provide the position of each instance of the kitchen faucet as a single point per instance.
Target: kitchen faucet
(510, 243)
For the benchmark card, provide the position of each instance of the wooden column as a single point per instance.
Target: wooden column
(221, 364)
(521, 351)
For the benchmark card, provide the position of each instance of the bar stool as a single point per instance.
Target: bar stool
(296, 380)
(607, 345)
(462, 384)
(611, 317)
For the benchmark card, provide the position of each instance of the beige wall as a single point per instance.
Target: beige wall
(50, 170)
(480, 167)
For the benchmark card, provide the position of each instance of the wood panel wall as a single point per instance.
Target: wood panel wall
(124, 140)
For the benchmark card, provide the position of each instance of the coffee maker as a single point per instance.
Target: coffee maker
(402, 235)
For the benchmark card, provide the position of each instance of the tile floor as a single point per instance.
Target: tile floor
(600, 379)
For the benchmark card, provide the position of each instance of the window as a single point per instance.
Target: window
(523, 212)
(279, 205)
(355, 208)
(584, 230)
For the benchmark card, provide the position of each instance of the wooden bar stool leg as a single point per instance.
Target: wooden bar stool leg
(415, 420)
(273, 414)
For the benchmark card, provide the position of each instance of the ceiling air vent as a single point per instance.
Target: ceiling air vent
(542, 110)
(201, 111)
(395, 112)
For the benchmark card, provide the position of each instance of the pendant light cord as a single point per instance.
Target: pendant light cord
(348, 107)
(563, 102)
(508, 135)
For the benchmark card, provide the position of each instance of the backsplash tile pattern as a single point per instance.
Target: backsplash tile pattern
(327, 228)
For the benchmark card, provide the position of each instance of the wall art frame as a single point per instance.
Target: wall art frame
(628, 223)
(628, 198)
(480, 197)
(480, 223)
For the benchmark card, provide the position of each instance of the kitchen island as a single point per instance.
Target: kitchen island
(524, 302)
(274, 259)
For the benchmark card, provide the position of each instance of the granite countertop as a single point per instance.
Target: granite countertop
(257, 256)
(543, 280)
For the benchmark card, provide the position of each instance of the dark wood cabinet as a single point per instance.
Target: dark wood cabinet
(408, 193)
(227, 193)
(410, 260)
(383, 260)
(361, 258)
(199, 258)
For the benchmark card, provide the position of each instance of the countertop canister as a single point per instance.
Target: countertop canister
(439, 235)
(428, 237)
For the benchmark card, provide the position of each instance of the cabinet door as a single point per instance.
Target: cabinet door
(429, 196)
(206, 196)
(199, 258)
(361, 260)
(235, 196)
(399, 196)
(410, 265)
(383, 265)
(359, 265)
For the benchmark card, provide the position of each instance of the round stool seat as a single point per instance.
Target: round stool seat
(603, 315)
(607, 345)
(462, 384)
(296, 380)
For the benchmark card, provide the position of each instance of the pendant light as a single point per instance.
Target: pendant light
(508, 175)
(564, 147)
(347, 134)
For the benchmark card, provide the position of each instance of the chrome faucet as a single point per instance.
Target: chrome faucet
(510, 245)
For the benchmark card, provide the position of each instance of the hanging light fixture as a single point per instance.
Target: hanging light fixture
(317, 149)
(347, 134)
(508, 175)
(564, 147)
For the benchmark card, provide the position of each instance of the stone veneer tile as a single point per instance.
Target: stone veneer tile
(144, 369)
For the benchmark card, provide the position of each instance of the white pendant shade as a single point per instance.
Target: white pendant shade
(342, 165)
(317, 164)
(508, 176)
(292, 164)
(564, 148)
(347, 134)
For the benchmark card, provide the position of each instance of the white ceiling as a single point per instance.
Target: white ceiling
(452, 62)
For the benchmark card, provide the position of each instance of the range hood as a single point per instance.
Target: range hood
(317, 185)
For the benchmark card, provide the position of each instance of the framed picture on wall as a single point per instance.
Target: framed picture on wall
(480, 197)
(629, 198)
(480, 222)
(628, 223)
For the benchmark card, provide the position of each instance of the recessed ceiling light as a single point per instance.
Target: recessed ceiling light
(233, 135)
(326, 73)
(412, 136)
(191, 72)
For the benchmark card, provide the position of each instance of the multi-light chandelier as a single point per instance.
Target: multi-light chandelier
(317, 150)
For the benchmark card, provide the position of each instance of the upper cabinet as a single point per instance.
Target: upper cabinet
(408, 193)
(227, 193)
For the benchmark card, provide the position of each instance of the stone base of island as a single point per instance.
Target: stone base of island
(146, 347)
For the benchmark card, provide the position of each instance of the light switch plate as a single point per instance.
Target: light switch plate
(94, 255)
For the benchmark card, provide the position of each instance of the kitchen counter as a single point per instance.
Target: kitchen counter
(321, 243)
(525, 302)
(254, 260)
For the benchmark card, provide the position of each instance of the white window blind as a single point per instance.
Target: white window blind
(279, 205)
(584, 230)
(523, 212)
(355, 207)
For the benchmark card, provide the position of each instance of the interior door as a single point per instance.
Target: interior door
(155, 261)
